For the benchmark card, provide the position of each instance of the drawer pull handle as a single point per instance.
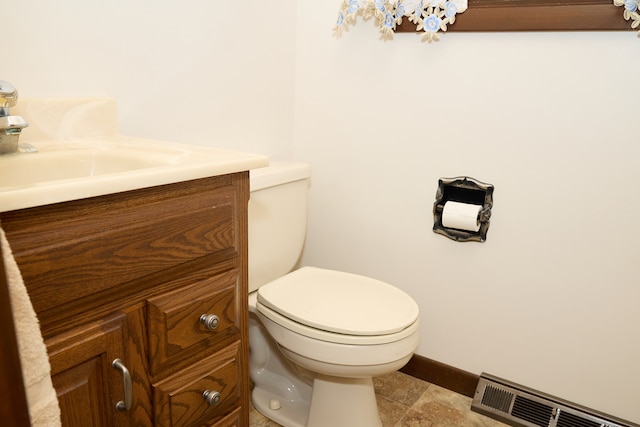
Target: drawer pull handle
(212, 397)
(128, 388)
(210, 321)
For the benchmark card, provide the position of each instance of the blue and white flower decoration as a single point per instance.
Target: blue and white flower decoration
(430, 16)
(631, 8)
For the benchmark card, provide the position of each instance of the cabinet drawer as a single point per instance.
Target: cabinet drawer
(175, 330)
(80, 248)
(234, 419)
(180, 401)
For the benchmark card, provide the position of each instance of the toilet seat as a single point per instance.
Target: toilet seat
(339, 307)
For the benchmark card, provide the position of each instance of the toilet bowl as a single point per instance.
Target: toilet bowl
(317, 337)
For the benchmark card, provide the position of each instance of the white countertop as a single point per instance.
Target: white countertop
(61, 172)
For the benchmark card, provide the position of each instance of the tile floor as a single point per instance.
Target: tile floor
(405, 401)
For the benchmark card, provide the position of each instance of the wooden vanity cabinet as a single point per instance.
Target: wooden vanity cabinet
(156, 278)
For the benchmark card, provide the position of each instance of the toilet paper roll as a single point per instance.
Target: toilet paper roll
(463, 216)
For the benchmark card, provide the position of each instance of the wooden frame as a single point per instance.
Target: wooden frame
(536, 15)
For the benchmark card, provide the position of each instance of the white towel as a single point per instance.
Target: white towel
(41, 396)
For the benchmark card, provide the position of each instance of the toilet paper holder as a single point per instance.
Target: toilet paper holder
(463, 189)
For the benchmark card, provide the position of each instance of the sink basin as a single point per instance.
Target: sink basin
(69, 170)
(29, 169)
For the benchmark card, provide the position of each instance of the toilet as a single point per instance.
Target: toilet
(317, 337)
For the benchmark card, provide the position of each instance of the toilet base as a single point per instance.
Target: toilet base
(335, 402)
(343, 402)
(276, 380)
(288, 413)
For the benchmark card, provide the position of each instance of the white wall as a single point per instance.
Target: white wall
(551, 119)
(194, 71)
(551, 299)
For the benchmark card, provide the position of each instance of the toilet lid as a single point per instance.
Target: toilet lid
(339, 302)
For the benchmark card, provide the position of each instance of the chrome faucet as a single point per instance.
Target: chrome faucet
(11, 126)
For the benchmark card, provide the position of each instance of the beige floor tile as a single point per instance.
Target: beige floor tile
(444, 408)
(414, 419)
(390, 412)
(399, 387)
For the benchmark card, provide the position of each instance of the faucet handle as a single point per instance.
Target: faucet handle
(8, 95)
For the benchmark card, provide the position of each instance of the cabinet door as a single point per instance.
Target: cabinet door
(87, 384)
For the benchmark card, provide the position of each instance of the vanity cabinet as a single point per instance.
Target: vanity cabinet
(142, 301)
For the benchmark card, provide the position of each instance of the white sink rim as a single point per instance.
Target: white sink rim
(153, 163)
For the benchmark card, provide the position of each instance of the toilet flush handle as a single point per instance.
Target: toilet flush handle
(210, 321)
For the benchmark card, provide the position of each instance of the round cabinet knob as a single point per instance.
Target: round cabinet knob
(210, 321)
(212, 397)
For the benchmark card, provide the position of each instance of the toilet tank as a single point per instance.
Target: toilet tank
(277, 220)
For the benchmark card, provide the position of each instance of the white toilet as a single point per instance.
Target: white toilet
(317, 336)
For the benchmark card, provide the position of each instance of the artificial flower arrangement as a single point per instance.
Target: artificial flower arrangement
(630, 12)
(429, 16)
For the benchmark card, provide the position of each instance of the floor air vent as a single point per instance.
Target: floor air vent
(523, 407)
(537, 413)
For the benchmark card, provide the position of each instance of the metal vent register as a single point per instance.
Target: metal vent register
(517, 405)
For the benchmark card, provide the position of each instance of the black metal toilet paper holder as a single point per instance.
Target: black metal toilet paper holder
(463, 189)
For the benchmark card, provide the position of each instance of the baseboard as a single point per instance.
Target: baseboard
(442, 375)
